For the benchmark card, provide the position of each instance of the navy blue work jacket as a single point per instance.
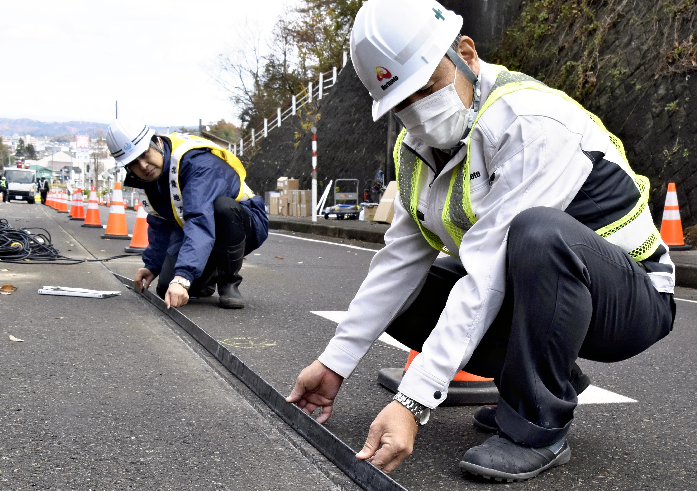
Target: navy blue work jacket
(203, 177)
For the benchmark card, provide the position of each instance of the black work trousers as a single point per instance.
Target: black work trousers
(233, 225)
(569, 294)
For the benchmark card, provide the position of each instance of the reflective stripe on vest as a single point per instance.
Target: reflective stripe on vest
(635, 232)
(182, 144)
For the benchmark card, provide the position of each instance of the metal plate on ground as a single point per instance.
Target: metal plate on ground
(363, 473)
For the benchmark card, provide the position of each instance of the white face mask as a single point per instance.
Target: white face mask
(438, 120)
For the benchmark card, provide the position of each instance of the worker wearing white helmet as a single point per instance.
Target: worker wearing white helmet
(521, 241)
(203, 218)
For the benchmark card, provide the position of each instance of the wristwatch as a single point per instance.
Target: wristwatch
(182, 281)
(421, 413)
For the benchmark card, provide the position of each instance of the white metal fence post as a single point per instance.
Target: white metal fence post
(333, 75)
(234, 149)
(241, 146)
(266, 128)
(314, 174)
(309, 91)
(345, 59)
(254, 141)
(321, 85)
(278, 113)
(293, 112)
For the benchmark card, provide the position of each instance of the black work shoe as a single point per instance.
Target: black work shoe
(484, 419)
(501, 459)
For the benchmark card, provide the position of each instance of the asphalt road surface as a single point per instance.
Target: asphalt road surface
(634, 429)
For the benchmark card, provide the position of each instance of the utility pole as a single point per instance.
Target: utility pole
(117, 109)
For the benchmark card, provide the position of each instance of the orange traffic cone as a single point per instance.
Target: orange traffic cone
(78, 211)
(140, 233)
(63, 206)
(107, 201)
(72, 206)
(49, 199)
(671, 226)
(92, 217)
(137, 205)
(116, 223)
(465, 388)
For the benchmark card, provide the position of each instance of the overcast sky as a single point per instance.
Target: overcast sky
(70, 60)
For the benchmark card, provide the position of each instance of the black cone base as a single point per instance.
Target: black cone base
(459, 393)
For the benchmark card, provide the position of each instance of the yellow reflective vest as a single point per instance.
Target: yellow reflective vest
(182, 144)
(457, 216)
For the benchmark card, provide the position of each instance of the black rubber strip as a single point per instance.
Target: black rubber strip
(363, 473)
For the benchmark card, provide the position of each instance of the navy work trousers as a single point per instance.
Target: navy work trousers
(233, 225)
(569, 294)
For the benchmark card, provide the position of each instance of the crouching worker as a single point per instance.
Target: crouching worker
(202, 217)
(553, 254)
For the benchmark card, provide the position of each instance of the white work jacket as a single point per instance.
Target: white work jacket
(527, 151)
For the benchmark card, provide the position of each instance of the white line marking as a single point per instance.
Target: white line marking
(324, 242)
(339, 315)
(592, 395)
(596, 395)
(685, 300)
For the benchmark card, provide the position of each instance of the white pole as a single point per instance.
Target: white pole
(345, 59)
(254, 141)
(321, 84)
(234, 149)
(314, 174)
(266, 128)
(309, 92)
(333, 75)
(241, 146)
(278, 112)
(293, 112)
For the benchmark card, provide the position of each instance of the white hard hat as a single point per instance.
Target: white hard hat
(127, 140)
(396, 46)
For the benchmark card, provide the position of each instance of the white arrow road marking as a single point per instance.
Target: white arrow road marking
(592, 395)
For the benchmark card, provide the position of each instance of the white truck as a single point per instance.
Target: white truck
(21, 184)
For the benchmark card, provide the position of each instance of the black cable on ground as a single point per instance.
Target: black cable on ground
(20, 246)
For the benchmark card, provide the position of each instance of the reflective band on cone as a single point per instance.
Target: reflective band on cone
(671, 226)
(92, 217)
(465, 388)
(116, 223)
(140, 233)
(78, 211)
(63, 206)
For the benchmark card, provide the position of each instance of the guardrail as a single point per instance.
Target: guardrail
(313, 91)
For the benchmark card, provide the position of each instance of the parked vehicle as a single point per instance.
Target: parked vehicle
(21, 184)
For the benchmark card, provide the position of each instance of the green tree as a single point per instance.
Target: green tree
(5, 153)
(226, 131)
(21, 149)
(31, 152)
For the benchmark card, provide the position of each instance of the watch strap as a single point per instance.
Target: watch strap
(421, 413)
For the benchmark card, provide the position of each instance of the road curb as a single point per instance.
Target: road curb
(373, 236)
(686, 275)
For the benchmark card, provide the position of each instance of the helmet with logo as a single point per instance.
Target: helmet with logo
(395, 54)
(127, 140)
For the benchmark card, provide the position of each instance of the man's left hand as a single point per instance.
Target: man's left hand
(176, 296)
(395, 429)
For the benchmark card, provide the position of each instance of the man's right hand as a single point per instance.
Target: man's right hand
(143, 274)
(316, 386)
